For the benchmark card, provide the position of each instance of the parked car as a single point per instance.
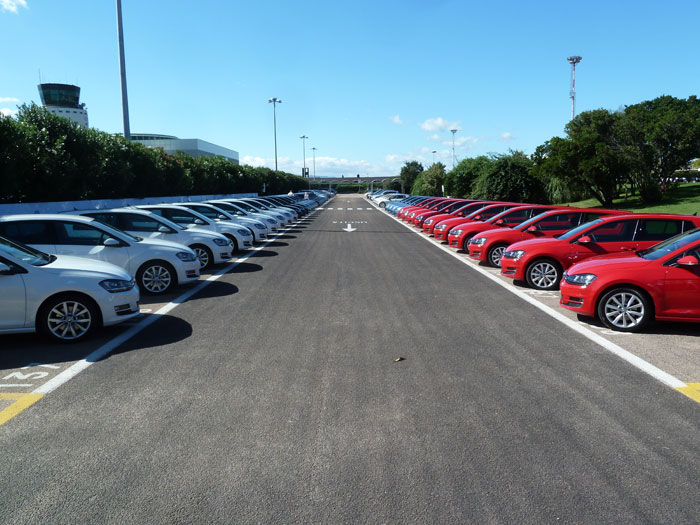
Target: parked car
(627, 290)
(189, 215)
(244, 210)
(158, 265)
(541, 262)
(430, 225)
(455, 231)
(383, 200)
(488, 246)
(210, 247)
(64, 298)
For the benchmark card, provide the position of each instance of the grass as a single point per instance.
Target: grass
(683, 199)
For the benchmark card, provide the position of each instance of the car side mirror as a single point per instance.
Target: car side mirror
(500, 221)
(584, 239)
(199, 222)
(5, 269)
(112, 242)
(477, 218)
(688, 260)
(532, 229)
(165, 229)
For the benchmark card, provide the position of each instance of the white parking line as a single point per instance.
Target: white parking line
(108, 347)
(628, 356)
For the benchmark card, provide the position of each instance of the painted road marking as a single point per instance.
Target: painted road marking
(339, 208)
(638, 362)
(23, 401)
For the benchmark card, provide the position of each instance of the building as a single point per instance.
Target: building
(194, 147)
(64, 100)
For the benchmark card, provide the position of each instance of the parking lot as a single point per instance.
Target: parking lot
(350, 371)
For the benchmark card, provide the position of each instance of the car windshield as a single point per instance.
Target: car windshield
(577, 230)
(670, 245)
(25, 253)
(112, 230)
(525, 225)
(246, 206)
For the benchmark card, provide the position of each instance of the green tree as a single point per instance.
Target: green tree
(589, 159)
(509, 178)
(409, 173)
(458, 182)
(430, 181)
(659, 137)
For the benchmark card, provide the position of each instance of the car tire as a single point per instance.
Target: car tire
(493, 257)
(624, 309)
(465, 243)
(234, 243)
(543, 274)
(68, 318)
(156, 277)
(204, 254)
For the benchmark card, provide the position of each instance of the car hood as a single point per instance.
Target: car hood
(99, 269)
(619, 261)
(534, 243)
(162, 244)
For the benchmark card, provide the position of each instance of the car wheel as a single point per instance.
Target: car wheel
(156, 277)
(206, 258)
(382, 205)
(543, 274)
(465, 243)
(624, 309)
(68, 318)
(234, 243)
(493, 257)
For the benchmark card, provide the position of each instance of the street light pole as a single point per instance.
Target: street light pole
(122, 71)
(303, 142)
(314, 150)
(434, 152)
(453, 147)
(275, 101)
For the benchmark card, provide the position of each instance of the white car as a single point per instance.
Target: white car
(385, 199)
(273, 223)
(158, 265)
(183, 214)
(62, 297)
(210, 247)
(260, 207)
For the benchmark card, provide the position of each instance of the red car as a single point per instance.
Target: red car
(488, 247)
(541, 262)
(449, 208)
(420, 216)
(455, 228)
(429, 224)
(506, 219)
(410, 212)
(627, 290)
(403, 214)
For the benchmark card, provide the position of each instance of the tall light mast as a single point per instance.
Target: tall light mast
(572, 94)
(453, 147)
(122, 72)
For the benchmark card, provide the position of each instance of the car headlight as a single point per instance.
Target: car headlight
(186, 256)
(456, 232)
(419, 218)
(580, 279)
(271, 221)
(221, 242)
(515, 254)
(117, 285)
(244, 233)
(429, 222)
(441, 226)
(479, 241)
(259, 226)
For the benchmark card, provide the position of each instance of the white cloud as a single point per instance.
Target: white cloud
(507, 136)
(391, 158)
(396, 119)
(461, 141)
(434, 137)
(7, 112)
(8, 99)
(439, 124)
(12, 5)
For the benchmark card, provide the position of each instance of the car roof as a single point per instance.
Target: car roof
(47, 216)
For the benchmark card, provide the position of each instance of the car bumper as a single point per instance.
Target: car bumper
(512, 268)
(119, 307)
(580, 299)
(188, 272)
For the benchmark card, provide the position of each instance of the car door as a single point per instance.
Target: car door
(145, 226)
(13, 306)
(681, 289)
(653, 231)
(553, 225)
(85, 240)
(609, 237)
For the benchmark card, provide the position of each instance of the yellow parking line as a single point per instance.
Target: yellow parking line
(692, 390)
(21, 401)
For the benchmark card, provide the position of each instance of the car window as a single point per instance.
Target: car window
(688, 225)
(670, 245)
(657, 229)
(23, 253)
(589, 216)
(616, 231)
(559, 221)
(79, 234)
(575, 231)
(139, 223)
(106, 218)
(175, 215)
(29, 232)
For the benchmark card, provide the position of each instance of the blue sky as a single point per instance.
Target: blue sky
(372, 84)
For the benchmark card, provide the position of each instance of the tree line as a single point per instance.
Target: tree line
(44, 157)
(604, 154)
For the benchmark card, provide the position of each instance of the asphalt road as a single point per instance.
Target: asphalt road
(274, 396)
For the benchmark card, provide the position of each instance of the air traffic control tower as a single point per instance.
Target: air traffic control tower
(64, 100)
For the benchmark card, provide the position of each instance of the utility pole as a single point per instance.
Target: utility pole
(122, 69)
(573, 60)
(275, 101)
(453, 147)
(303, 142)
